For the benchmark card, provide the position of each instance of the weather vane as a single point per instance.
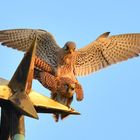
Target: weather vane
(17, 99)
(57, 68)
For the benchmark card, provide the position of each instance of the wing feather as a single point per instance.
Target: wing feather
(21, 39)
(106, 51)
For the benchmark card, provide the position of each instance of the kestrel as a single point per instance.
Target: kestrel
(62, 89)
(62, 85)
(69, 62)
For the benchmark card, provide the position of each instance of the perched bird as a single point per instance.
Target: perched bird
(63, 85)
(69, 62)
(62, 89)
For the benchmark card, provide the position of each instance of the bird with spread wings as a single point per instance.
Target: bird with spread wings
(68, 62)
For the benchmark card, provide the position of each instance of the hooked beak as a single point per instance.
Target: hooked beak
(71, 51)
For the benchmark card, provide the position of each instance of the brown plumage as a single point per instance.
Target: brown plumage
(62, 89)
(63, 85)
(42, 65)
(102, 52)
(45, 75)
(67, 61)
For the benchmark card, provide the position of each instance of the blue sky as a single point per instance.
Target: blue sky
(111, 107)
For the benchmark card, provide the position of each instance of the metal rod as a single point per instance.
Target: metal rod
(4, 126)
(19, 104)
(17, 127)
(12, 125)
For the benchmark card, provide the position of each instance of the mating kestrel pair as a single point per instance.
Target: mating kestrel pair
(68, 62)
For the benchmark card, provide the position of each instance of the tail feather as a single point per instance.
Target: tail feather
(64, 115)
(56, 117)
(63, 100)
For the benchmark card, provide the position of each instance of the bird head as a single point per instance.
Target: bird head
(69, 90)
(69, 47)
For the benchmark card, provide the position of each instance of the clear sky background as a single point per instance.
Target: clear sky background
(111, 107)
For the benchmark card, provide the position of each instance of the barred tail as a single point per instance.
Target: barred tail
(46, 79)
(42, 65)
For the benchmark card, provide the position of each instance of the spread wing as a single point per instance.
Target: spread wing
(21, 39)
(105, 51)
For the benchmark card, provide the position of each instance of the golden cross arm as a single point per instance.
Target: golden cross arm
(42, 104)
